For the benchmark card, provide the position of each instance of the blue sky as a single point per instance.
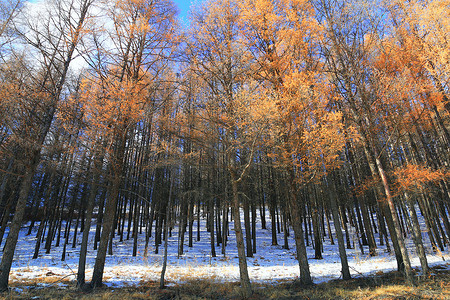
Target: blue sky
(184, 6)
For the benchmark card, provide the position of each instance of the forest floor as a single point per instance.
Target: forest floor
(196, 274)
(382, 285)
(269, 265)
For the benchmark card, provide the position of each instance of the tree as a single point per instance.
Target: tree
(119, 92)
(9, 9)
(232, 115)
(348, 56)
(56, 59)
(282, 36)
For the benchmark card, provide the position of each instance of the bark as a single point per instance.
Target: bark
(11, 240)
(6, 216)
(40, 234)
(8, 254)
(110, 211)
(385, 210)
(253, 209)
(225, 229)
(183, 224)
(316, 228)
(247, 225)
(339, 236)
(272, 207)
(107, 227)
(98, 227)
(390, 202)
(243, 270)
(137, 212)
(191, 223)
(329, 226)
(417, 235)
(87, 224)
(285, 228)
(211, 227)
(305, 275)
(166, 240)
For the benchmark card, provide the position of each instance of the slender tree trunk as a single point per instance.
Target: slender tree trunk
(191, 223)
(417, 235)
(316, 227)
(272, 208)
(337, 225)
(110, 212)
(87, 224)
(401, 242)
(225, 229)
(253, 208)
(305, 275)
(247, 226)
(6, 216)
(329, 226)
(98, 228)
(11, 240)
(135, 225)
(385, 210)
(285, 228)
(243, 270)
(107, 227)
(211, 226)
(182, 225)
(166, 240)
(39, 234)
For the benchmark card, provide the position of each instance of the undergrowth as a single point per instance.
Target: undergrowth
(380, 286)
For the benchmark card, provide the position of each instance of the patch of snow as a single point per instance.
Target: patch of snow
(271, 264)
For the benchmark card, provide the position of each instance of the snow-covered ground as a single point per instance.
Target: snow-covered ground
(271, 264)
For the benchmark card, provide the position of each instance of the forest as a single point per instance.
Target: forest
(286, 115)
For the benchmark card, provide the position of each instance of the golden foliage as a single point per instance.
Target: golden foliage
(412, 176)
(109, 105)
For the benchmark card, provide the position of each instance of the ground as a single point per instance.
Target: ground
(272, 269)
(379, 286)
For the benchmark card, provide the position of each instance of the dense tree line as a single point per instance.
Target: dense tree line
(296, 113)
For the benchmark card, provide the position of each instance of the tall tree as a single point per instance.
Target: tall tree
(126, 68)
(282, 37)
(56, 41)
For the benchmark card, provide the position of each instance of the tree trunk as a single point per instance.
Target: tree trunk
(110, 211)
(243, 270)
(87, 224)
(107, 227)
(401, 242)
(11, 240)
(305, 275)
(166, 240)
(247, 226)
(337, 225)
(417, 235)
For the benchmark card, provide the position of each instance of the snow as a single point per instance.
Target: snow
(271, 264)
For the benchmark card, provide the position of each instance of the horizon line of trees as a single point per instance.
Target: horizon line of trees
(318, 112)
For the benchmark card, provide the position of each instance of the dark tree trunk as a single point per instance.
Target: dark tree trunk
(98, 228)
(166, 240)
(11, 240)
(247, 226)
(81, 277)
(110, 212)
(243, 270)
(337, 225)
(305, 275)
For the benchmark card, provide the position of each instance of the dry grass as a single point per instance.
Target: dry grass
(381, 286)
